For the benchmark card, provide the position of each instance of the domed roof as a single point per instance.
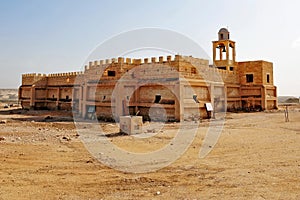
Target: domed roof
(223, 30)
(223, 34)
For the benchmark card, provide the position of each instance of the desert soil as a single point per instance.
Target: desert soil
(256, 157)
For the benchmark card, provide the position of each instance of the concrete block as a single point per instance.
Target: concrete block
(131, 124)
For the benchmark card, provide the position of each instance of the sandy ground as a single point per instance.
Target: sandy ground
(256, 157)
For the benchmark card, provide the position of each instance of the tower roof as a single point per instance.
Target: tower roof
(223, 30)
(223, 34)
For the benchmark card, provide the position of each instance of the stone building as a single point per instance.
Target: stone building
(175, 88)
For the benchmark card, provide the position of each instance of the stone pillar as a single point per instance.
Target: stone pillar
(212, 98)
(214, 53)
(275, 95)
(136, 97)
(32, 98)
(84, 99)
(178, 101)
(58, 97)
(263, 97)
(181, 101)
(73, 97)
(119, 101)
(227, 57)
(80, 100)
(233, 53)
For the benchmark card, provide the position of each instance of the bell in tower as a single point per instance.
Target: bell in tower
(224, 51)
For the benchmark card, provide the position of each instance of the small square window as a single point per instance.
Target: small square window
(249, 78)
(111, 73)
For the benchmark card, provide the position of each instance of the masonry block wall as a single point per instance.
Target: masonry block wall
(53, 91)
(183, 86)
(171, 88)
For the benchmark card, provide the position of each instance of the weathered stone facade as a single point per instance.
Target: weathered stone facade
(175, 88)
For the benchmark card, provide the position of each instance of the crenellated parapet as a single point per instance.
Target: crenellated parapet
(30, 75)
(65, 74)
(63, 79)
(33, 75)
(38, 79)
(155, 67)
(33, 78)
(131, 61)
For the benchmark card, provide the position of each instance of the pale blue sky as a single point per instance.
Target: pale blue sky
(58, 35)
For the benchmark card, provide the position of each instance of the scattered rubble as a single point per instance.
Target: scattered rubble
(66, 138)
(3, 121)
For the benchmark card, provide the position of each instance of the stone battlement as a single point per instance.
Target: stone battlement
(133, 61)
(32, 75)
(65, 74)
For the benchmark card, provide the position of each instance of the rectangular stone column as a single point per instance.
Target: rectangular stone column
(32, 98)
(178, 105)
(263, 97)
(58, 97)
(84, 99)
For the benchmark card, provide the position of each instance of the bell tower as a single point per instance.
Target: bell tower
(224, 51)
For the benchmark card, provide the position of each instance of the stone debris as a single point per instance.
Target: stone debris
(48, 117)
(151, 130)
(66, 138)
(4, 121)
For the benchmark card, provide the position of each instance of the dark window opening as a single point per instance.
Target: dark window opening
(67, 97)
(249, 78)
(193, 70)
(104, 97)
(223, 68)
(268, 78)
(127, 97)
(53, 96)
(222, 36)
(195, 98)
(231, 68)
(111, 73)
(157, 98)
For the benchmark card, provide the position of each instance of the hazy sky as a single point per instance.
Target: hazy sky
(58, 35)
